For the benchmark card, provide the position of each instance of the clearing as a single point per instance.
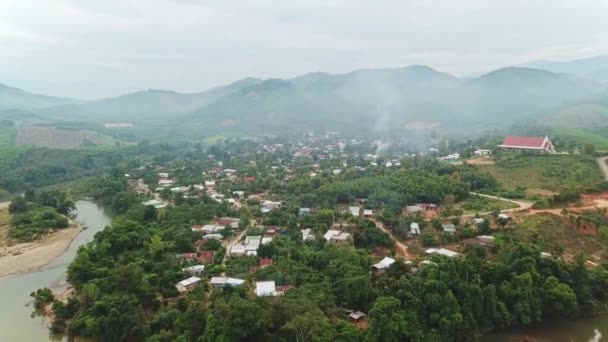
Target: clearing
(555, 233)
(59, 138)
(542, 173)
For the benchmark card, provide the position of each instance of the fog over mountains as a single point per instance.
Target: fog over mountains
(373, 100)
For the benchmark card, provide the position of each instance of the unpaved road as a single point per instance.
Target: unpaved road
(601, 161)
(401, 248)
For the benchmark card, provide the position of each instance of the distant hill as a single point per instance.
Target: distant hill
(144, 104)
(14, 98)
(593, 68)
(385, 100)
(370, 101)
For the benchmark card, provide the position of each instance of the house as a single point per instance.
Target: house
(442, 251)
(368, 213)
(414, 228)
(306, 211)
(267, 206)
(155, 203)
(265, 288)
(163, 175)
(249, 179)
(479, 221)
(265, 262)
(266, 240)
(188, 256)
(529, 144)
(354, 211)
(481, 240)
(210, 184)
(504, 217)
(252, 243)
(206, 257)
(336, 236)
(187, 284)
(219, 282)
(165, 182)
(383, 264)
(412, 209)
(482, 153)
(449, 228)
(307, 234)
(195, 270)
(231, 222)
(180, 189)
(213, 236)
(237, 250)
(357, 316)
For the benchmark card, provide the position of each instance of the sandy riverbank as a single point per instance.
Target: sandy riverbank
(30, 256)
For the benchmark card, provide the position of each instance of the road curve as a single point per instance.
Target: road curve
(601, 161)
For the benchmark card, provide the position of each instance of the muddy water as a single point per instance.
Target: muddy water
(16, 306)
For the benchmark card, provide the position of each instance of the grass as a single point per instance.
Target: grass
(554, 232)
(479, 204)
(584, 136)
(541, 173)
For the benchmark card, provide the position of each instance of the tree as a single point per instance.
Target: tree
(309, 326)
(18, 205)
(388, 322)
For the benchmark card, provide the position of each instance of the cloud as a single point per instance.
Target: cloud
(90, 48)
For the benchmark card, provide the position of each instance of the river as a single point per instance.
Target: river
(575, 330)
(16, 305)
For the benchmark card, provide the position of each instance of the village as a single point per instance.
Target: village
(236, 251)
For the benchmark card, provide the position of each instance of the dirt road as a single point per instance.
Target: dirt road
(521, 205)
(601, 161)
(401, 248)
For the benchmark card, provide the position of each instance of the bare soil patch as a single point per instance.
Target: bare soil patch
(423, 124)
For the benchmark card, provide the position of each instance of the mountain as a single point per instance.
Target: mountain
(369, 101)
(14, 98)
(593, 68)
(386, 100)
(516, 92)
(146, 104)
(370, 98)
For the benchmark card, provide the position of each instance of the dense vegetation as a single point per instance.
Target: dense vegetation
(125, 287)
(36, 214)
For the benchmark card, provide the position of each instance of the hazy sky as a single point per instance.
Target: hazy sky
(98, 48)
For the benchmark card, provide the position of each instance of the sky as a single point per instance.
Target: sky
(94, 49)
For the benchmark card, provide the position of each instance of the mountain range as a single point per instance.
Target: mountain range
(365, 101)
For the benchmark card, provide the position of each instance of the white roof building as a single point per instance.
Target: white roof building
(384, 263)
(415, 228)
(194, 270)
(331, 233)
(442, 251)
(307, 234)
(187, 284)
(225, 281)
(265, 288)
(354, 211)
(237, 250)
(155, 203)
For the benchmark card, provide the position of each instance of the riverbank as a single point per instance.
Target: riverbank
(31, 256)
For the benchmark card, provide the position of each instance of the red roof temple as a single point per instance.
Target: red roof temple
(535, 144)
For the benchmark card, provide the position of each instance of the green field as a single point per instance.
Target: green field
(584, 136)
(541, 173)
(479, 204)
